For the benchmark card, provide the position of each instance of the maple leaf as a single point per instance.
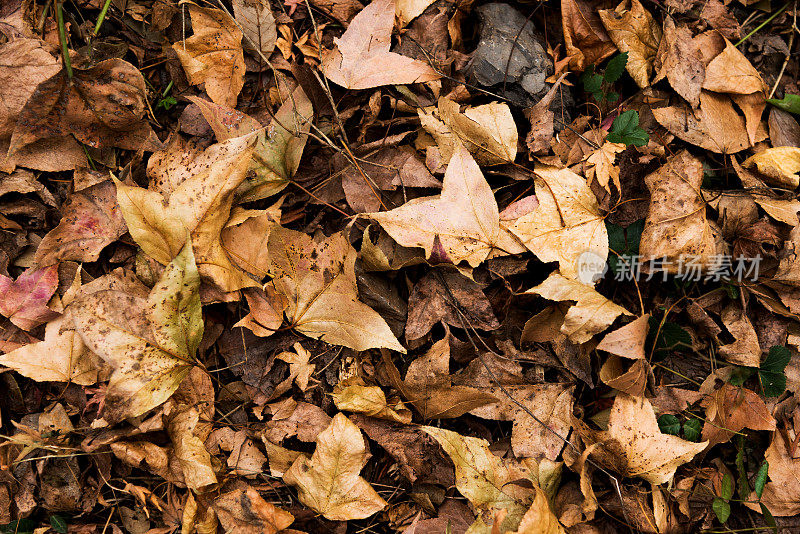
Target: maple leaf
(319, 282)
(566, 223)
(149, 339)
(601, 165)
(362, 59)
(300, 370)
(190, 190)
(213, 55)
(24, 300)
(634, 446)
(329, 481)
(461, 224)
(590, 314)
(488, 131)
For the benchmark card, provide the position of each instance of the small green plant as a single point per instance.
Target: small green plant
(597, 84)
(771, 372)
(625, 129)
(721, 504)
(623, 241)
(166, 101)
(790, 103)
(671, 424)
(670, 337)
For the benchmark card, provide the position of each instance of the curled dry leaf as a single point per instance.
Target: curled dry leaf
(566, 223)
(319, 282)
(361, 58)
(91, 220)
(591, 313)
(24, 300)
(488, 131)
(61, 357)
(213, 55)
(461, 224)
(745, 350)
(627, 341)
(244, 511)
(585, 38)
(102, 106)
(190, 191)
(676, 223)
(634, 446)
(633, 30)
(149, 340)
(329, 481)
(246, 235)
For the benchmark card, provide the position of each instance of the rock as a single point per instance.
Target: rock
(500, 34)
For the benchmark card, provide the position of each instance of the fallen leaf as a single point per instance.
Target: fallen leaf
(633, 30)
(329, 481)
(627, 341)
(266, 310)
(190, 190)
(291, 418)
(24, 300)
(585, 38)
(732, 72)
(626, 376)
(461, 224)
(539, 519)
(213, 55)
(61, 357)
(318, 279)
(353, 395)
(781, 494)
(634, 446)
(408, 10)
(676, 227)
(680, 60)
(778, 165)
(149, 340)
(257, 24)
(487, 131)
(244, 511)
(91, 220)
(361, 58)
(102, 106)
(567, 222)
(601, 165)
(300, 370)
(245, 238)
(745, 350)
(488, 482)
(731, 409)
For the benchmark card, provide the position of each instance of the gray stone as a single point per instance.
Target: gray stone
(500, 37)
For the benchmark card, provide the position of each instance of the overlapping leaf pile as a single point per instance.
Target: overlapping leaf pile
(296, 267)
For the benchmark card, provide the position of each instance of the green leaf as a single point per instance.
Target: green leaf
(727, 487)
(625, 129)
(59, 524)
(721, 508)
(669, 424)
(671, 336)
(790, 103)
(18, 526)
(741, 375)
(771, 373)
(744, 484)
(691, 429)
(612, 96)
(615, 67)
(761, 478)
(768, 519)
(592, 83)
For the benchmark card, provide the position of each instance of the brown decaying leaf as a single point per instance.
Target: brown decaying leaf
(680, 59)
(257, 24)
(244, 511)
(634, 446)
(329, 481)
(627, 341)
(731, 409)
(745, 350)
(213, 55)
(361, 58)
(464, 220)
(24, 300)
(633, 30)
(782, 493)
(586, 41)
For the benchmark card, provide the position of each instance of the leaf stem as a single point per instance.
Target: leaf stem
(101, 17)
(62, 37)
(770, 19)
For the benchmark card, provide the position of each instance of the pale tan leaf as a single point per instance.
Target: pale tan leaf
(361, 58)
(591, 313)
(782, 493)
(627, 341)
(633, 30)
(539, 519)
(461, 224)
(300, 369)
(329, 481)
(779, 165)
(732, 72)
(745, 350)
(213, 55)
(601, 165)
(258, 25)
(408, 10)
(245, 238)
(354, 396)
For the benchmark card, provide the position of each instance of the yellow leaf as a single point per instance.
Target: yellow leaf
(329, 481)
(213, 55)
(779, 165)
(601, 165)
(300, 370)
(461, 224)
(354, 396)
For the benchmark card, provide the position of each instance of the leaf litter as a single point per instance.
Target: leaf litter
(385, 267)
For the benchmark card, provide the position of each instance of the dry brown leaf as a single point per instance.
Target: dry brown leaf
(539, 519)
(715, 126)
(634, 446)
(626, 376)
(244, 511)
(213, 55)
(633, 30)
(24, 300)
(461, 224)
(300, 369)
(779, 166)
(361, 58)
(591, 313)
(245, 238)
(567, 222)
(329, 482)
(627, 341)
(319, 282)
(680, 59)
(266, 310)
(732, 72)
(745, 350)
(190, 191)
(488, 131)
(601, 165)
(782, 493)
(586, 41)
(731, 409)
(408, 10)
(676, 222)
(257, 24)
